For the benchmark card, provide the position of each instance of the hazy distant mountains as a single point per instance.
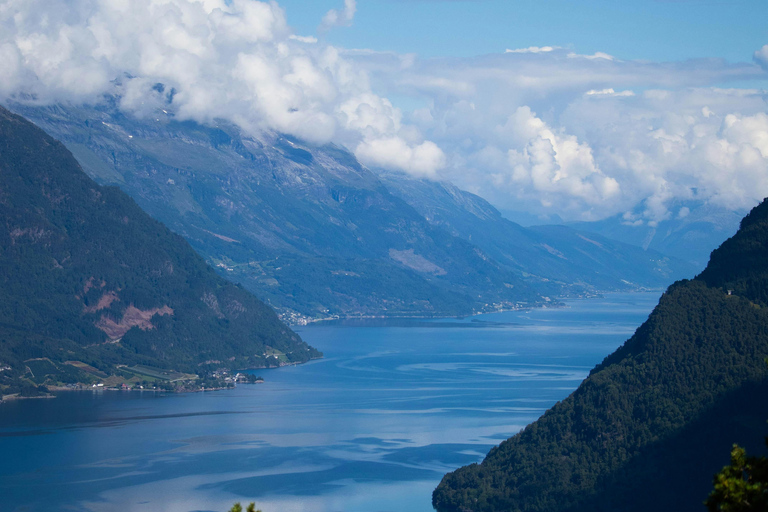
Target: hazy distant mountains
(556, 259)
(88, 281)
(315, 234)
(693, 231)
(656, 419)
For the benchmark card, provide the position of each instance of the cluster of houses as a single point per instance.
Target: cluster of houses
(228, 378)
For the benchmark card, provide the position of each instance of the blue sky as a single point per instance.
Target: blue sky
(653, 30)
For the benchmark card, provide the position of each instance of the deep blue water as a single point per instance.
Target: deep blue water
(371, 427)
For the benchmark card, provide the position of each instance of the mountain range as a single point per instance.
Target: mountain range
(691, 231)
(313, 233)
(556, 259)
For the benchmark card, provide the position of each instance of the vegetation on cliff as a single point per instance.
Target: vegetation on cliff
(659, 413)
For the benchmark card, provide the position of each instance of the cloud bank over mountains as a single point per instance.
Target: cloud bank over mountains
(235, 60)
(588, 136)
(543, 129)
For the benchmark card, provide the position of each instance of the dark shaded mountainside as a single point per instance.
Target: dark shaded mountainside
(315, 234)
(88, 281)
(655, 420)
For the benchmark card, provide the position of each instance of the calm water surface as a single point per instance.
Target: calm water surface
(371, 427)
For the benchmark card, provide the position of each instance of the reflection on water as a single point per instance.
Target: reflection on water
(372, 427)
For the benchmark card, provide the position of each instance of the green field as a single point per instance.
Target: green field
(158, 374)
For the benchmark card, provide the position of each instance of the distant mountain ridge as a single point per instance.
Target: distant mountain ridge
(315, 234)
(655, 420)
(693, 230)
(558, 260)
(88, 281)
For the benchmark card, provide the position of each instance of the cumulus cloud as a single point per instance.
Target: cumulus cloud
(216, 59)
(421, 160)
(588, 136)
(554, 166)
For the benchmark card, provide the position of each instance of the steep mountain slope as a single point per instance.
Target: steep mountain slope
(90, 281)
(693, 372)
(305, 228)
(558, 259)
(691, 234)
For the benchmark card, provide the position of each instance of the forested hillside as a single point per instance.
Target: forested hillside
(654, 421)
(88, 281)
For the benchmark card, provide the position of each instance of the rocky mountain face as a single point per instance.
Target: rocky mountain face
(315, 234)
(89, 281)
(653, 423)
(559, 260)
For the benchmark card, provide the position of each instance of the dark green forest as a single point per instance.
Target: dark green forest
(88, 281)
(652, 423)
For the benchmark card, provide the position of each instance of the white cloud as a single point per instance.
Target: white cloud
(227, 59)
(607, 134)
(339, 18)
(421, 160)
(303, 39)
(554, 167)
(761, 57)
(533, 49)
(609, 92)
(594, 56)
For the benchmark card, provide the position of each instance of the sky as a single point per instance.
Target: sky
(578, 109)
(655, 30)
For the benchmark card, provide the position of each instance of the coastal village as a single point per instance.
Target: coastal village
(139, 378)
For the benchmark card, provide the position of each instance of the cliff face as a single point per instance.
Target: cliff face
(87, 277)
(652, 423)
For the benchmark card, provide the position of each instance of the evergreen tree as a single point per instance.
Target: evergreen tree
(741, 486)
(239, 508)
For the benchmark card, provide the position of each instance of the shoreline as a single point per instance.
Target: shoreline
(559, 302)
(308, 321)
(550, 305)
(90, 387)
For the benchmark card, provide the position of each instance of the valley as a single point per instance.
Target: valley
(316, 235)
(383, 256)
